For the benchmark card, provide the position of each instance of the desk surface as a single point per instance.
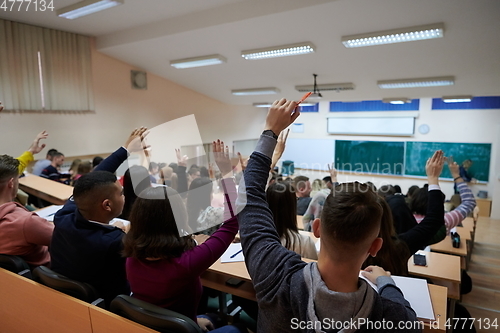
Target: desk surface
(52, 191)
(218, 273)
(445, 246)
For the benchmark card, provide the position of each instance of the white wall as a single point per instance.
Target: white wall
(474, 126)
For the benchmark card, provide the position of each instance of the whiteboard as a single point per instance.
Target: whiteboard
(397, 126)
(313, 154)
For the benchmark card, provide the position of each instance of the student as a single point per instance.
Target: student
(135, 180)
(453, 218)
(42, 164)
(83, 168)
(316, 186)
(164, 265)
(154, 171)
(463, 172)
(402, 216)
(288, 290)
(73, 169)
(202, 216)
(28, 156)
(281, 200)
(22, 232)
(398, 248)
(316, 205)
(52, 171)
(302, 190)
(411, 191)
(96, 160)
(84, 246)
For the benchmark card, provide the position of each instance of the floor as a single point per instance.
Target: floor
(484, 269)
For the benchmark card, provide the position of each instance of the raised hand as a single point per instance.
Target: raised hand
(181, 160)
(281, 114)
(454, 168)
(136, 141)
(280, 148)
(434, 167)
(333, 173)
(221, 155)
(35, 147)
(243, 162)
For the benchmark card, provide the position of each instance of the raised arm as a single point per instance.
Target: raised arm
(468, 203)
(134, 143)
(420, 235)
(266, 259)
(182, 182)
(27, 157)
(203, 256)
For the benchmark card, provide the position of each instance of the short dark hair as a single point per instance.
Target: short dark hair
(193, 170)
(412, 190)
(153, 229)
(204, 172)
(351, 213)
(9, 168)
(397, 189)
(386, 190)
(51, 152)
(419, 199)
(153, 165)
(96, 161)
(299, 182)
(327, 179)
(283, 204)
(58, 154)
(92, 187)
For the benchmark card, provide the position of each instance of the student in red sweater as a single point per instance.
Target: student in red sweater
(22, 232)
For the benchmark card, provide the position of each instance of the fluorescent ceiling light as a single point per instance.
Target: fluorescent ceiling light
(214, 59)
(326, 87)
(278, 51)
(86, 7)
(396, 100)
(416, 83)
(457, 99)
(256, 91)
(268, 105)
(410, 34)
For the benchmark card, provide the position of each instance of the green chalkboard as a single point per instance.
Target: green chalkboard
(378, 157)
(417, 154)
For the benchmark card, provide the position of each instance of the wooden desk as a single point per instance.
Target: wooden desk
(27, 306)
(107, 322)
(442, 269)
(49, 190)
(215, 277)
(300, 224)
(445, 246)
(438, 299)
(484, 207)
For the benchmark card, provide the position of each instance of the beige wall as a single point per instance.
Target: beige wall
(119, 109)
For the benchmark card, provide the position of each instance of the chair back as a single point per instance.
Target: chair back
(77, 289)
(153, 316)
(15, 264)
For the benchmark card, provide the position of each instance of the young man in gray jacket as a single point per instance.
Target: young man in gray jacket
(327, 295)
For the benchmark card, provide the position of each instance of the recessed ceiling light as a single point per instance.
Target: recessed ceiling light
(416, 83)
(409, 34)
(255, 91)
(86, 7)
(214, 59)
(278, 51)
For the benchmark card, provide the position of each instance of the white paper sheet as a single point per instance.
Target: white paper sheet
(233, 253)
(49, 212)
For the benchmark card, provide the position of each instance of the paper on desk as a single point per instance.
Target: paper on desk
(125, 222)
(49, 212)
(416, 292)
(231, 251)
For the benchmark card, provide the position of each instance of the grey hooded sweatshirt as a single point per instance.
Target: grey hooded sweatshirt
(291, 295)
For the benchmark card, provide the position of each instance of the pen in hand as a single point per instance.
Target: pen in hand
(234, 255)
